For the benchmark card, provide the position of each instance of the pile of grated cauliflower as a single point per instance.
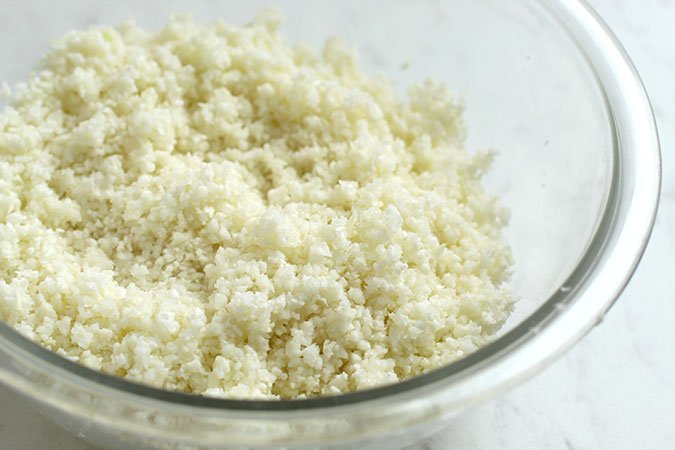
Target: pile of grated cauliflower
(209, 210)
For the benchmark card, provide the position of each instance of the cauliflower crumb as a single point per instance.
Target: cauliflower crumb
(207, 209)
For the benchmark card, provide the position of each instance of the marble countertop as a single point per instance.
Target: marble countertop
(616, 388)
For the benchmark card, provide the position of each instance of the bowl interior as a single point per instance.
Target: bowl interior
(528, 91)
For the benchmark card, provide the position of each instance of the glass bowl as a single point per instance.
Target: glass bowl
(545, 83)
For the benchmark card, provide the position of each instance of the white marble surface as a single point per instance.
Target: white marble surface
(615, 389)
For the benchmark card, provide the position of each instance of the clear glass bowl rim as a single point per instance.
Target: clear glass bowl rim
(597, 281)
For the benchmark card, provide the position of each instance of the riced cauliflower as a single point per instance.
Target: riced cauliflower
(207, 209)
